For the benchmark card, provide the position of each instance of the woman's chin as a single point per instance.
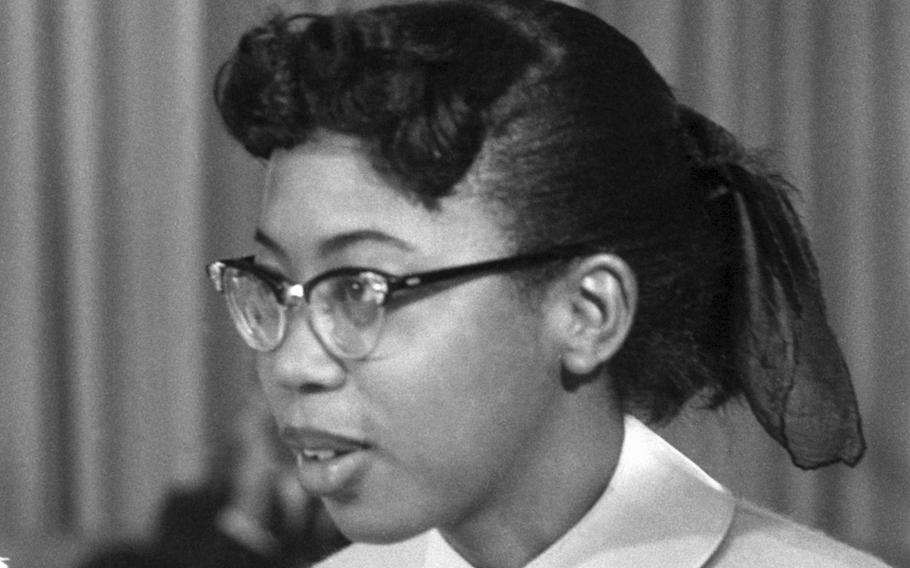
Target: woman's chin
(373, 527)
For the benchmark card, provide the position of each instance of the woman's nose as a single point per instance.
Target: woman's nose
(301, 363)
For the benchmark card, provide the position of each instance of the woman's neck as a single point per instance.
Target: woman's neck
(569, 466)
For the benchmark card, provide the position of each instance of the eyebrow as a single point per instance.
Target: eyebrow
(338, 243)
(268, 242)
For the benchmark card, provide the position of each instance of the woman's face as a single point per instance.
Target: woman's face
(441, 425)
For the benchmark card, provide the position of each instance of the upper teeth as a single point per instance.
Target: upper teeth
(319, 454)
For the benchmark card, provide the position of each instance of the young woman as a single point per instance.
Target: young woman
(491, 242)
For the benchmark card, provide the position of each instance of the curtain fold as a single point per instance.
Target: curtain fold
(20, 356)
(80, 155)
(102, 236)
(119, 368)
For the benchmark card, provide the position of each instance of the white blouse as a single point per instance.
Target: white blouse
(658, 510)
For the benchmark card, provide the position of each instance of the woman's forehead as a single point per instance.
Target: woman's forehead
(326, 189)
(306, 160)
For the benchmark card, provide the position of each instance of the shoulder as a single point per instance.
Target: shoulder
(759, 538)
(406, 554)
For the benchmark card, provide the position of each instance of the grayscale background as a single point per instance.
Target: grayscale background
(119, 369)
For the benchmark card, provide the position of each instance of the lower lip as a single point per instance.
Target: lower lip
(332, 476)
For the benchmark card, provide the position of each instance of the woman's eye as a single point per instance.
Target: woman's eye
(355, 290)
(357, 301)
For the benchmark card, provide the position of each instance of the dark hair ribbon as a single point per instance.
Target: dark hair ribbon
(792, 371)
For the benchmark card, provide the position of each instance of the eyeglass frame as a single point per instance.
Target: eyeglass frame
(290, 295)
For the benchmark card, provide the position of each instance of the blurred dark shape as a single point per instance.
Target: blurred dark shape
(197, 529)
(249, 513)
(129, 556)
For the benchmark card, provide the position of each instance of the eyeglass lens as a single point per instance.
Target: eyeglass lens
(345, 311)
(259, 318)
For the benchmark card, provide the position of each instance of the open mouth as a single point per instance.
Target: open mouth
(323, 454)
(329, 464)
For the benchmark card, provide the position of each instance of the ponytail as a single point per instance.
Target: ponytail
(785, 355)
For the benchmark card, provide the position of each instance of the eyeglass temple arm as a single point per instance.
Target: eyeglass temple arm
(503, 264)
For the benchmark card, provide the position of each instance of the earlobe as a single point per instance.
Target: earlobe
(601, 301)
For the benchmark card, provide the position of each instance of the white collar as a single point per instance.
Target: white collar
(658, 507)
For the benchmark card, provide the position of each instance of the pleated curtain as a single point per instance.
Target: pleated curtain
(119, 371)
(101, 241)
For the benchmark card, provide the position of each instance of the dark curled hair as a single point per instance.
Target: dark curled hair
(558, 117)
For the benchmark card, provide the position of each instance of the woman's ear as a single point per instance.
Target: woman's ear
(598, 307)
